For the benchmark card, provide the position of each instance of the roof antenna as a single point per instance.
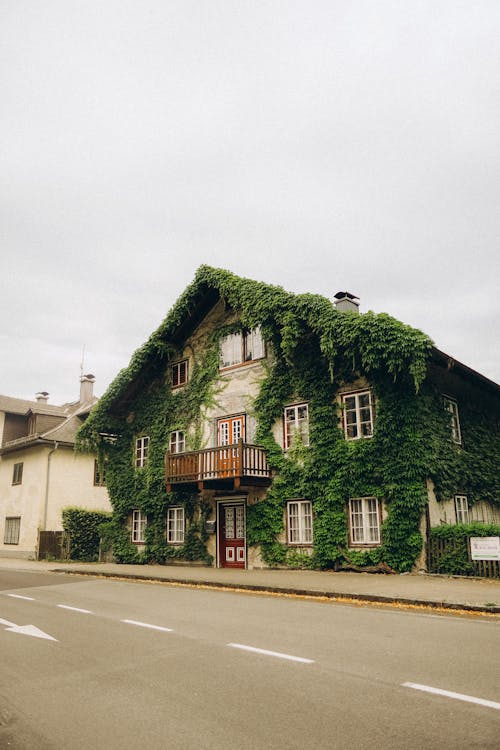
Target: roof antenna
(82, 361)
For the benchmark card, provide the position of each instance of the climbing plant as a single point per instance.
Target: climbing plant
(315, 349)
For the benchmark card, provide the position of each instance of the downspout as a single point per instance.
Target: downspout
(47, 485)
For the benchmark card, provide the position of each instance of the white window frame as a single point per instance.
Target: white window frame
(12, 530)
(139, 523)
(17, 473)
(177, 441)
(451, 406)
(175, 525)
(299, 522)
(141, 451)
(297, 426)
(362, 512)
(241, 348)
(358, 412)
(462, 509)
(180, 373)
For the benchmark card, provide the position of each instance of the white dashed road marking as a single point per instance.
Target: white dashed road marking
(450, 694)
(19, 596)
(148, 625)
(277, 654)
(75, 609)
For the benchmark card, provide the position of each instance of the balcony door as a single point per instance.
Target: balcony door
(232, 537)
(230, 430)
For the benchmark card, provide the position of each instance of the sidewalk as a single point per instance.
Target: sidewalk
(473, 594)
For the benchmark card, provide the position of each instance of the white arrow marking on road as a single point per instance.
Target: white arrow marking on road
(26, 630)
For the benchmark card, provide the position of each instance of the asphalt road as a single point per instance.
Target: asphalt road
(113, 664)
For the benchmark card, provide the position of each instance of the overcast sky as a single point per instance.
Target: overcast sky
(322, 146)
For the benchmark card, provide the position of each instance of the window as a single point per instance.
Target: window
(299, 522)
(138, 526)
(364, 520)
(179, 373)
(358, 415)
(99, 474)
(17, 474)
(175, 526)
(296, 424)
(462, 508)
(177, 442)
(141, 451)
(451, 407)
(12, 529)
(238, 348)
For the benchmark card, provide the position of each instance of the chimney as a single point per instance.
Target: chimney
(42, 397)
(346, 302)
(86, 388)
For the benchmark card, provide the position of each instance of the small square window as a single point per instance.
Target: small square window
(462, 509)
(179, 373)
(358, 415)
(17, 474)
(299, 522)
(139, 522)
(141, 451)
(364, 520)
(175, 526)
(12, 530)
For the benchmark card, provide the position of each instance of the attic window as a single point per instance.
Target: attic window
(238, 348)
(179, 373)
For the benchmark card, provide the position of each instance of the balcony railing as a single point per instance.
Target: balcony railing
(240, 462)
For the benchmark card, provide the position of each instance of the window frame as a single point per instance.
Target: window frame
(357, 409)
(179, 373)
(244, 337)
(17, 473)
(176, 531)
(459, 501)
(175, 441)
(288, 435)
(12, 532)
(305, 533)
(365, 526)
(99, 477)
(141, 451)
(451, 406)
(138, 529)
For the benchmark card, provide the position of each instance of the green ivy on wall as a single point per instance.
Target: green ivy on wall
(315, 350)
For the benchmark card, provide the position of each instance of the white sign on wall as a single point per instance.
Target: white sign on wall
(485, 547)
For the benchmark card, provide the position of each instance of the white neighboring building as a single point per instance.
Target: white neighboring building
(40, 473)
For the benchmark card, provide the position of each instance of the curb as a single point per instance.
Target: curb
(336, 596)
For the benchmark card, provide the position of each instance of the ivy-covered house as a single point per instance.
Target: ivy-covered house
(257, 427)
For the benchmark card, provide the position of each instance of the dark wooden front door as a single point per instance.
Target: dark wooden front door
(232, 543)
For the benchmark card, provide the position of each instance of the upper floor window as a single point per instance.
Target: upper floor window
(462, 508)
(177, 442)
(175, 526)
(238, 348)
(179, 373)
(141, 451)
(17, 474)
(12, 529)
(296, 424)
(358, 415)
(451, 407)
(139, 521)
(299, 522)
(364, 520)
(99, 474)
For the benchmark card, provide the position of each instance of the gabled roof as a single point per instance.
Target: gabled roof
(371, 341)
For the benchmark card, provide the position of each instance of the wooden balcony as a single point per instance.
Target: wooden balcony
(225, 467)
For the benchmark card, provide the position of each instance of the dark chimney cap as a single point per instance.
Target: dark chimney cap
(342, 295)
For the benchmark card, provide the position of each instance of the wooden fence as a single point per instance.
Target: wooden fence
(442, 552)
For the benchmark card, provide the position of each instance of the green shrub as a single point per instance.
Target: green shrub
(82, 528)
